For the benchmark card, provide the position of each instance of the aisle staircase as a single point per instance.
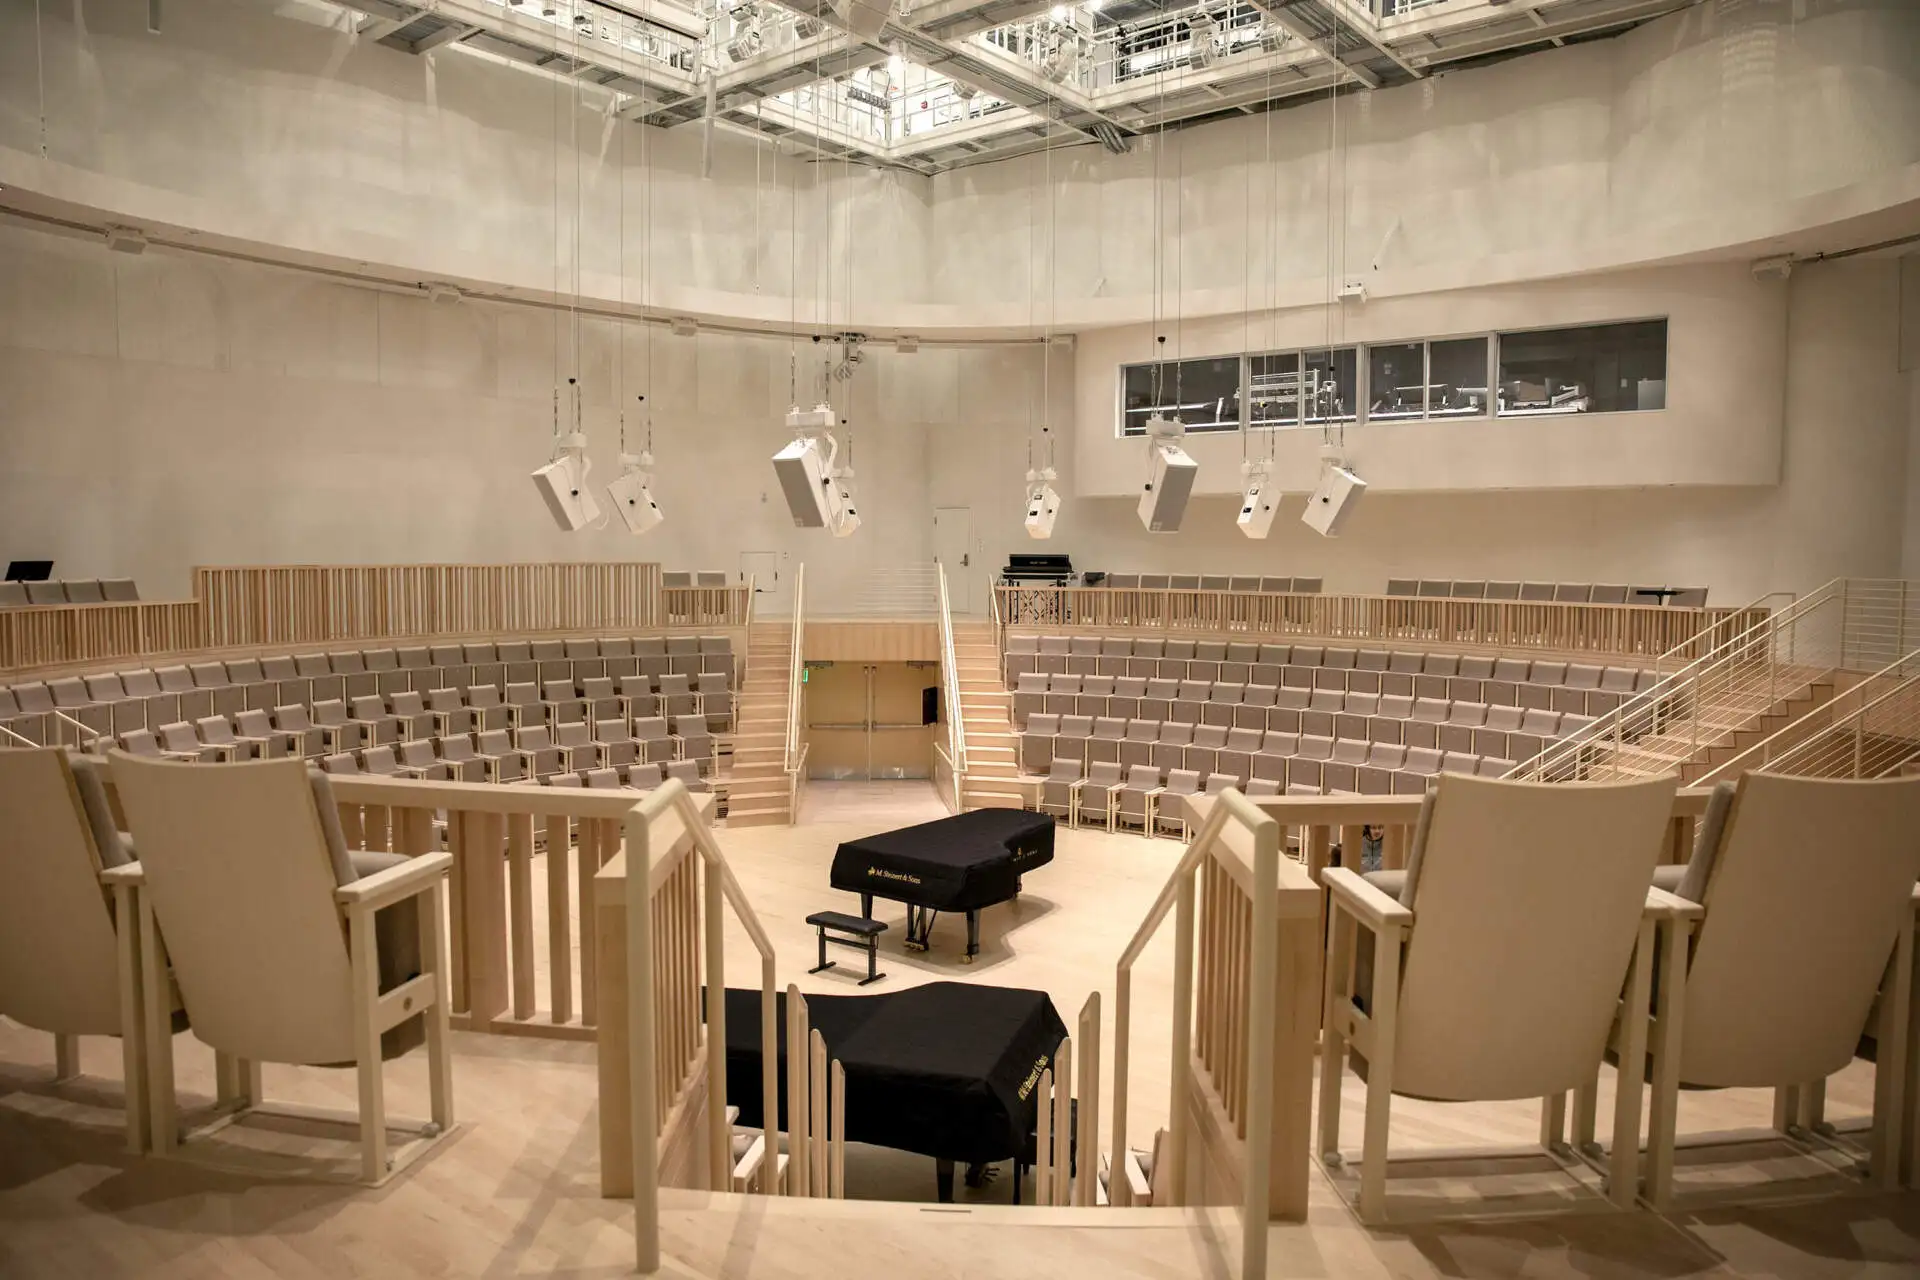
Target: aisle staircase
(985, 711)
(1744, 688)
(759, 790)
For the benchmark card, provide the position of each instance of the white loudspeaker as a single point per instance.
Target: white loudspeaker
(864, 17)
(1043, 504)
(1333, 500)
(803, 478)
(1259, 503)
(844, 516)
(563, 483)
(1164, 500)
(633, 499)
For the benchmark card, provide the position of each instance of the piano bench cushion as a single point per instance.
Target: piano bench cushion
(860, 926)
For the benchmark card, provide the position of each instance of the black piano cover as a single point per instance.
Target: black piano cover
(951, 864)
(948, 1070)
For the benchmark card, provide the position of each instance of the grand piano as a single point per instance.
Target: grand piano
(946, 1070)
(1036, 570)
(962, 863)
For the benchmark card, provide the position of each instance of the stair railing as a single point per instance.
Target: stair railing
(795, 761)
(1870, 731)
(956, 749)
(675, 974)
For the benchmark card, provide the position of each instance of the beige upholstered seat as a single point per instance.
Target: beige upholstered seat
(271, 928)
(1807, 890)
(65, 938)
(1498, 870)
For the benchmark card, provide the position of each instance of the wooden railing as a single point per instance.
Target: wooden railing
(496, 834)
(663, 1074)
(728, 606)
(319, 604)
(59, 634)
(1612, 629)
(1243, 1039)
(264, 607)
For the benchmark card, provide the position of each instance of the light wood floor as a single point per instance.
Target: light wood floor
(515, 1191)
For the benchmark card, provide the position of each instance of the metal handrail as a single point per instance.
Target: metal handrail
(1903, 670)
(721, 886)
(1264, 831)
(950, 691)
(1667, 688)
(1781, 641)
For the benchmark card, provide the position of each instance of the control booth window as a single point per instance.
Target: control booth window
(1457, 378)
(1202, 394)
(1396, 381)
(1602, 368)
(1332, 386)
(1274, 389)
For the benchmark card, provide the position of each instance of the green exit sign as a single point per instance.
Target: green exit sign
(804, 674)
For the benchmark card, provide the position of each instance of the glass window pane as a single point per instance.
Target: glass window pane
(1331, 385)
(1203, 394)
(1457, 378)
(1396, 381)
(1607, 368)
(1273, 383)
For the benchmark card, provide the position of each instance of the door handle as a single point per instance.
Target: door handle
(965, 560)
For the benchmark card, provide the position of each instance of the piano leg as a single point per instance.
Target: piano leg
(943, 1180)
(973, 935)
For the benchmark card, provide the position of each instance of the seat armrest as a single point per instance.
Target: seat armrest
(1364, 902)
(415, 875)
(1662, 905)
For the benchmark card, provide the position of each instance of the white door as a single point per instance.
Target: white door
(772, 596)
(953, 548)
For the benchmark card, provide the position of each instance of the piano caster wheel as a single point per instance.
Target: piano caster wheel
(915, 946)
(966, 959)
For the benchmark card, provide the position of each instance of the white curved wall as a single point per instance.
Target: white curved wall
(164, 411)
(1701, 134)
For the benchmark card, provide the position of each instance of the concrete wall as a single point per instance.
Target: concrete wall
(165, 411)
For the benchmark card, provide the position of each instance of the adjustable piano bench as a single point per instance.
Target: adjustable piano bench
(858, 932)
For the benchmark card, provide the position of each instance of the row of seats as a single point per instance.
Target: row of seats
(682, 579)
(387, 745)
(75, 591)
(146, 698)
(418, 760)
(1372, 741)
(1547, 592)
(1204, 582)
(1143, 798)
(1221, 702)
(1325, 666)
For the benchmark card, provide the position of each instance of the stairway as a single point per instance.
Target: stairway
(759, 792)
(1730, 720)
(985, 705)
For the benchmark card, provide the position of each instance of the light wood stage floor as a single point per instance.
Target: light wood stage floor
(515, 1191)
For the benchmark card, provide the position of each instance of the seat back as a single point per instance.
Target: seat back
(58, 963)
(1804, 895)
(1521, 1010)
(241, 877)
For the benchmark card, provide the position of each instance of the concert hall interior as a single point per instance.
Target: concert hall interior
(1141, 638)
